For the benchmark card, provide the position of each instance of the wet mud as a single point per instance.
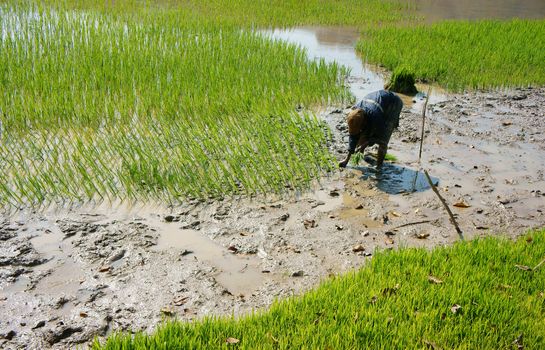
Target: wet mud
(69, 275)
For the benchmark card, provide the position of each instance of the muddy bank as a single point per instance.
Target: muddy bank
(67, 276)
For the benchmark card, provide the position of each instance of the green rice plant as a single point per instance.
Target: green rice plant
(159, 105)
(358, 157)
(473, 295)
(262, 13)
(390, 157)
(462, 54)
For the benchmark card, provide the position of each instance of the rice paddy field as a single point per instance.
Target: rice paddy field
(168, 100)
(96, 106)
(487, 294)
(461, 55)
(126, 101)
(136, 101)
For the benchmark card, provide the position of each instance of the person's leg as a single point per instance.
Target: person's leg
(392, 112)
(397, 110)
(391, 115)
(381, 154)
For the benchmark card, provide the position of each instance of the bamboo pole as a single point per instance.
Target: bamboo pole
(421, 136)
(452, 219)
(423, 124)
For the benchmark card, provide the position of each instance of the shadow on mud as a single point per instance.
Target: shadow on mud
(395, 179)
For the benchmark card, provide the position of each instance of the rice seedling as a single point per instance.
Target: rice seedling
(390, 157)
(402, 80)
(476, 294)
(462, 54)
(358, 157)
(263, 13)
(164, 106)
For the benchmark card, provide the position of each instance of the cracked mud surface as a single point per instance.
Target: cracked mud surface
(69, 275)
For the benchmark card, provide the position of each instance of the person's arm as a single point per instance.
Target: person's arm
(352, 142)
(354, 147)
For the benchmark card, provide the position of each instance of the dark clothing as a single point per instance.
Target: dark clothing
(382, 109)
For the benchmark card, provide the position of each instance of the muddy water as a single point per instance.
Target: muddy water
(435, 10)
(239, 274)
(337, 44)
(334, 45)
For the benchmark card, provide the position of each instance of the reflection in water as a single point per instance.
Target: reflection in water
(395, 179)
(334, 44)
(435, 10)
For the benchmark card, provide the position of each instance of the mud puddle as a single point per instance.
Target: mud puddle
(238, 274)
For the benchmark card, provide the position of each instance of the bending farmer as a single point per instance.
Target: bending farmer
(372, 121)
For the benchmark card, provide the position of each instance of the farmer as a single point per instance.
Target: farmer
(372, 121)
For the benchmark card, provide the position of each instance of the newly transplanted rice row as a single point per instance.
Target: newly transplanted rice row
(105, 107)
(141, 161)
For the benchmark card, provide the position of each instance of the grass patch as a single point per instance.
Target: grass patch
(467, 296)
(460, 55)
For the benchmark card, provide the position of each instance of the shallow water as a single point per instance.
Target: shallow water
(337, 44)
(435, 10)
(334, 44)
(238, 274)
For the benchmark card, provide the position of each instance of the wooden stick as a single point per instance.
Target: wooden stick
(411, 223)
(423, 124)
(452, 219)
(421, 137)
(414, 181)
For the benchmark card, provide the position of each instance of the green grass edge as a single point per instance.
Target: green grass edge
(474, 294)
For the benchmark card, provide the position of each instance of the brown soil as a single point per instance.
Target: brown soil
(67, 276)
